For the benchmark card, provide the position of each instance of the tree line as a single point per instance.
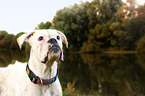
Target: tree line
(99, 25)
(9, 41)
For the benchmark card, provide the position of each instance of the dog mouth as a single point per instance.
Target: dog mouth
(55, 49)
(54, 52)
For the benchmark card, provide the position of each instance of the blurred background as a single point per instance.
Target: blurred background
(106, 42)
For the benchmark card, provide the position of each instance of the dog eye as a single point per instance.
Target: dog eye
(40, 38)
(58, 37)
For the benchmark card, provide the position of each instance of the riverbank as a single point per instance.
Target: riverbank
(122, 52)
(107, 52)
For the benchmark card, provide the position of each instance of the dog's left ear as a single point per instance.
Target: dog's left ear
(64, 39)
(24, 37)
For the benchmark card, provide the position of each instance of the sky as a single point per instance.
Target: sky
(139, 2)
(24, 15)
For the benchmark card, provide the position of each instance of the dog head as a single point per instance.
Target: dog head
(45, 44)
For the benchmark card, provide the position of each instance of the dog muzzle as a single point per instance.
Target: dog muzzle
(54, 49)
(54, 54)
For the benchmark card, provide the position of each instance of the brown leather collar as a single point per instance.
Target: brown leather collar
(36, 80)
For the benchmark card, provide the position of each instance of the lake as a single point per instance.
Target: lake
(94, 74)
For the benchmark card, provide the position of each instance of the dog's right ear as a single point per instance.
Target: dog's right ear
(24, 37)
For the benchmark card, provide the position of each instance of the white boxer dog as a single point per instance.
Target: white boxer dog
(38, 77)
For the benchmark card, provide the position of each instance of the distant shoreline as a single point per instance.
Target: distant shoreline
(108, 52)
(95, 52)
(122, 52)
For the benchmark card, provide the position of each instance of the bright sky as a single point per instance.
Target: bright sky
(23, 15)
(139, 2)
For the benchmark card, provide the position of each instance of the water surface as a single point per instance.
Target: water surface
(104, 74)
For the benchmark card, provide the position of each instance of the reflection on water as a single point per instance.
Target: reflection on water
(9, 57)
(106, 74)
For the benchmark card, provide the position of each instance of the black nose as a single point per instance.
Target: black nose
(52, 41)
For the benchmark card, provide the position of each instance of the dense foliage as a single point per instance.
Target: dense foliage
(6, 40)
(102, 25)
(9, 41)
(99, 25)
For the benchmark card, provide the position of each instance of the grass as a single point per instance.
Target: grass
(70, 90)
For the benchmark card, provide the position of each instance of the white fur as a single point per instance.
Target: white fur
(14, 80)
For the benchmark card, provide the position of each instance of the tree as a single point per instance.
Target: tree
(74, 22)
(141, 44)
(130, 28)
(43, 25)
(103, 15)
(6, 40)
(100, 24)
(3, 34)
